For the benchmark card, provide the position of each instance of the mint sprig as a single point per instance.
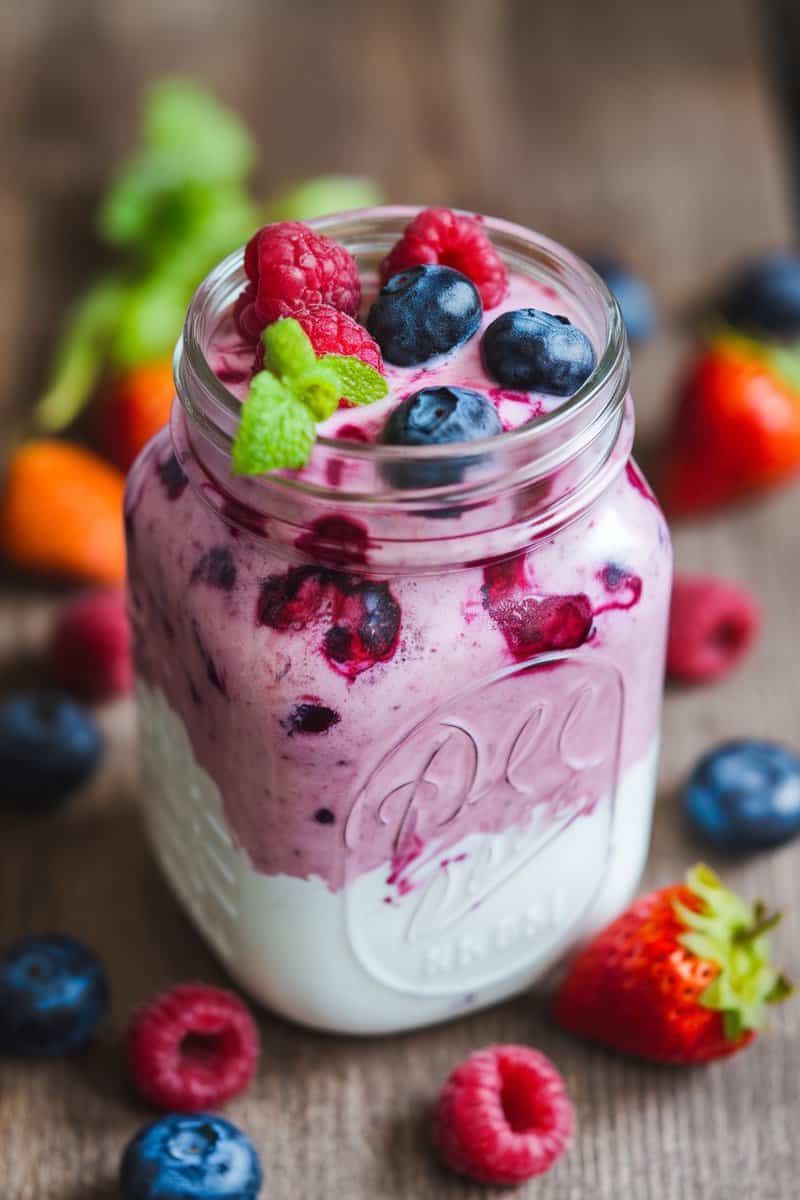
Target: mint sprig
(277, 427)
(178, 204)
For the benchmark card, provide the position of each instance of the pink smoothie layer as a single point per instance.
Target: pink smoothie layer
(351, 723)
(232, 360)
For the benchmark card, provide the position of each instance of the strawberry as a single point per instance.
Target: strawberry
(737, 428)
(133, 409)
(683, 976)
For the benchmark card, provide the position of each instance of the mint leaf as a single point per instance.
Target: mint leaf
(360, 382)
(276, 429)
(320, 196)
(288, 352)
(321, 390)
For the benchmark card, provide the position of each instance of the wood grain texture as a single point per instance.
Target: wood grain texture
(649, 129)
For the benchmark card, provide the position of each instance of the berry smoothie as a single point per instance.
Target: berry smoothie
(401, 752)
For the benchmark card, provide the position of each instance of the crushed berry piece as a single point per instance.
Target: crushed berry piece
(335, 539)
(172, 476)
(534, 624)
(216, 568)
(623, 584)
(362, 617)
(312, 718)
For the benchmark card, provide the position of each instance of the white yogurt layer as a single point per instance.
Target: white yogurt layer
(449, 932)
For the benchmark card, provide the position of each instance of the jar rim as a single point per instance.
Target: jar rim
(516, 244)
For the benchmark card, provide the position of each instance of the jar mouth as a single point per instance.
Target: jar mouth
(371, 232)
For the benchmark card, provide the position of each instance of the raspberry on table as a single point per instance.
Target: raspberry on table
(90, 650)
(288, 262)
(330, 331)
(712, 625)
(192, 1048)
(440, 236)
(503, 1116)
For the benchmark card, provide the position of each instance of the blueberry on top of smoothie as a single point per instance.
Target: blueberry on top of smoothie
(424, 312)
(437, 416)
(535, 351)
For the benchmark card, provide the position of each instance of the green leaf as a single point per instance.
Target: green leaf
(360, 382)
(80, 355)
(276, 430)
(182, 118)
(190, 146)
(320, 196)
(732, 934)
(320, 390)
(288, 352)
(149, 320)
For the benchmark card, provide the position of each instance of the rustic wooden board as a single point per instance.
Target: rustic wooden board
(645, 128)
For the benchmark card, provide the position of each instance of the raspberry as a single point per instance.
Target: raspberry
(712, 625)
(192, 1048)
(503, 1116)
(90, 651)
(289, 262)
(438, 235)
(330, 331)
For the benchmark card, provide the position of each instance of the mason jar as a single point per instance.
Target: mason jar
(400, 742)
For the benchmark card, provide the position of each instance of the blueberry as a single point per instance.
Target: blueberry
(745, 794)
(53, 992)
(195, 1157)
(437, 416)
(534, 351)
(48, 747)
(632, 294)
(424, 312)
(764, 297)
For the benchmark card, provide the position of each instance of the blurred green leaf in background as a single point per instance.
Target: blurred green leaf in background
(177, 206)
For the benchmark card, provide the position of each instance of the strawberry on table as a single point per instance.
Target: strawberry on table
(133, 409)
(737, 428)
(683, 976)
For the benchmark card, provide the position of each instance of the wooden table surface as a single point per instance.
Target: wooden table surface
(649, 129)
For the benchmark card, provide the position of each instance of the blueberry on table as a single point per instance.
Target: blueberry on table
(48, 747)
(534, 351)
(437, 416)
(764, 297)
(424, 312)
(632, 294)
(745, 795)
(190, 1158)
(53, 993)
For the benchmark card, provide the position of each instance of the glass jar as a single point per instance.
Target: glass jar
(400, 744)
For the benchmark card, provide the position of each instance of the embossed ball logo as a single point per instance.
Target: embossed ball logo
(495, 814)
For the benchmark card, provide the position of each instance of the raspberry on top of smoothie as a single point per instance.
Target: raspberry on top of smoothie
(452, 348)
